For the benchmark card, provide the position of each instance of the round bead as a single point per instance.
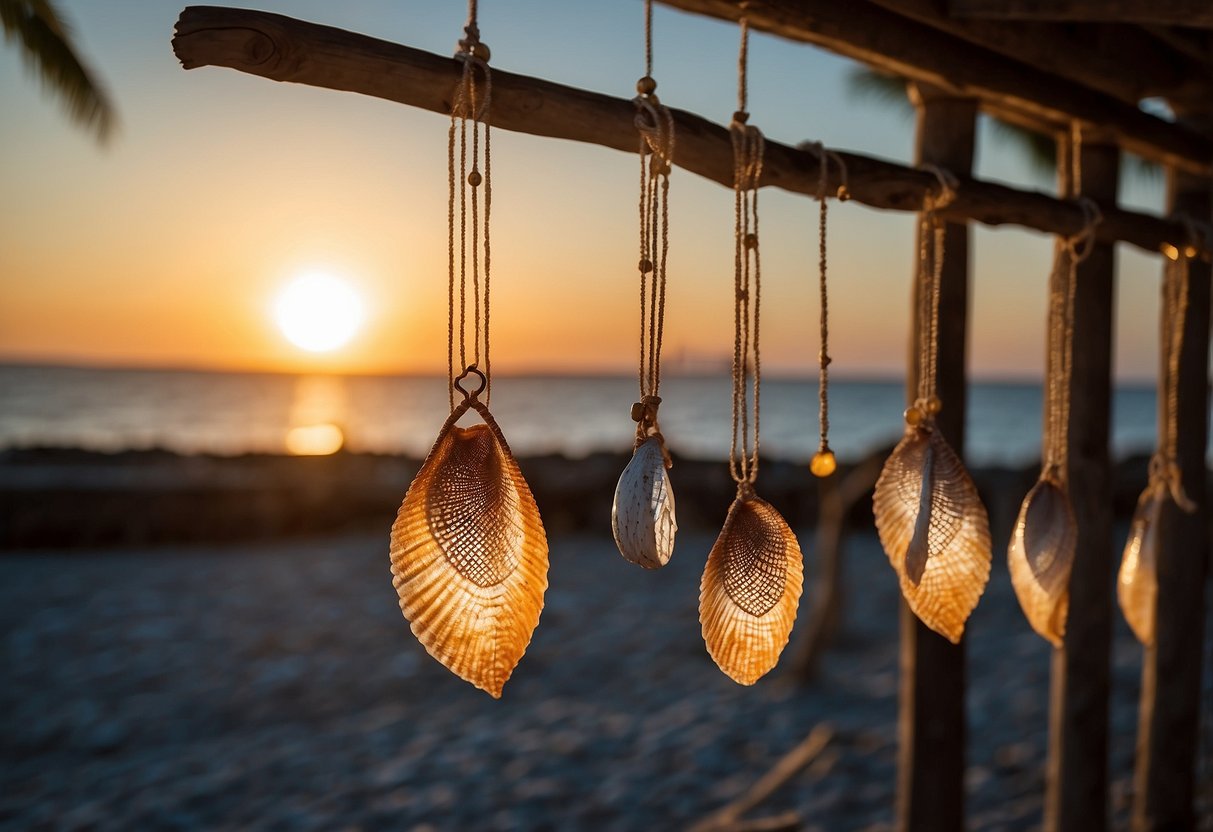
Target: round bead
(646, 85)
(843, 194)
(914, 416)
(660, 167)
(741, 116)
(646, 266)
(481, 51)
(474, 178)
(934, 405)
(823, 463)
(751, 241)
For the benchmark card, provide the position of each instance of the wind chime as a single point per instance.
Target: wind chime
(468, 549)
(642, 516)
(1137, 580)
(1041, 553)
(929, 517)
(753, 579)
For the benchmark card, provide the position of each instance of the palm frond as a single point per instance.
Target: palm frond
(46, 45)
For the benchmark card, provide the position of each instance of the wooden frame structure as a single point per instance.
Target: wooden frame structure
(962, 57)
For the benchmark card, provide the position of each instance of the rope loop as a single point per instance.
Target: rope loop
(1080, 245)
(471, 370)
(825, 156)
(948, 184)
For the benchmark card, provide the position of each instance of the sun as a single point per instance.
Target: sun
(318, 313)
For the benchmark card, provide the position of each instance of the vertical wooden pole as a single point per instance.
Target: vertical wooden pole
(1170, 690)
(1076, 795)
(931, 755)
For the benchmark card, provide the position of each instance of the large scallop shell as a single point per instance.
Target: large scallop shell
(469, 554)
(1041, 556)
(750, 590)
(1137, 581)
(642, 516)
(934, 530)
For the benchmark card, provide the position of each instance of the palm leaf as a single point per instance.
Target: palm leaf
(46, 45)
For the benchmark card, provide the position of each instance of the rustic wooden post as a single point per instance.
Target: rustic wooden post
(1170, 689)
(931, 755)
(1076, 796)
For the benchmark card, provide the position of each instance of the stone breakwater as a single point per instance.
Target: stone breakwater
(276, 686)
(72, 498)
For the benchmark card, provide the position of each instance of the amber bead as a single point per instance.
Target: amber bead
(914, 416)
(934, 405)
(823, 463)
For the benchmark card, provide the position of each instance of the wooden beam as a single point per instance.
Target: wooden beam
(283, 49)
(1076, 790)
(931, 713)
(1169, 717)
(1094, 56)
(861, 30)
(1172, 12)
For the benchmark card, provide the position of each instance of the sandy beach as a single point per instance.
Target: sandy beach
(276, 686)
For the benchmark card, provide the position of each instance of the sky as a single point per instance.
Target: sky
(168, 246)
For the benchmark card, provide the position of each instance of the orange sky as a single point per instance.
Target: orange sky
(167, 247)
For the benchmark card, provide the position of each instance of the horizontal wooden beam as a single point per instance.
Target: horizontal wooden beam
(1094, 56)
(283, 49)
(1173, 12)
(866, 32)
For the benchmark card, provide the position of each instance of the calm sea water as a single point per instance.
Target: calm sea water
(232, 413)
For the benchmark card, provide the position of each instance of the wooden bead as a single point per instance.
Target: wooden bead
(481, 51)
(823, 463)
(751, 241)
(646, 266)
(914, 416)
(474, 178)
(646, 85)
(934, 405)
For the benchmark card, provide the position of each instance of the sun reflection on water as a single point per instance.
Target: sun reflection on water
(318, 409)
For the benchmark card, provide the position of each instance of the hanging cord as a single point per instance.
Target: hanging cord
(655, 126)
(471, 101)
(824, 462)
(1165, 473)
(931, 239)
(748, 147)
(1063, 284)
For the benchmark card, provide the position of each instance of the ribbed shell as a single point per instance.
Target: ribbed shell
(642, 516)
(469, 554)
(1041, 556)
(1137, 581)
(934, 530)
(750, 590)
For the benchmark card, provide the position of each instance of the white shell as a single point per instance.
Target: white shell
(934, 529)
(1137, 581)
(642, 516)
(1041, 556)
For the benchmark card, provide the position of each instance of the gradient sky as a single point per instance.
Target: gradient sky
(167, 247)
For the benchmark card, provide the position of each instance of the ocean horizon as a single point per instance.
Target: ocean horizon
(192, 411)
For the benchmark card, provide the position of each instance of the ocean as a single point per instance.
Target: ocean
(233, 413)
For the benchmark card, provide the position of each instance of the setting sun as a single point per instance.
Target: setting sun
(318, 313)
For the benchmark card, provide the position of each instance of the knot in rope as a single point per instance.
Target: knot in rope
(1166, 476)
(1082, 244)
(946, 195)
(656, 125)
(825, 156)
(749, 146)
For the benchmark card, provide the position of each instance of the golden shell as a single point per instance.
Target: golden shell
(934, 530)
(469, 554)
(750, 590)
(642, 516)
(1137, 580)
(1041, 556)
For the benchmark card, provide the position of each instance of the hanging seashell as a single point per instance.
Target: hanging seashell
(642, 516)
(934, 530)
(469, 554)
(750, 590)
(1041, 556)
(1137, 580)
